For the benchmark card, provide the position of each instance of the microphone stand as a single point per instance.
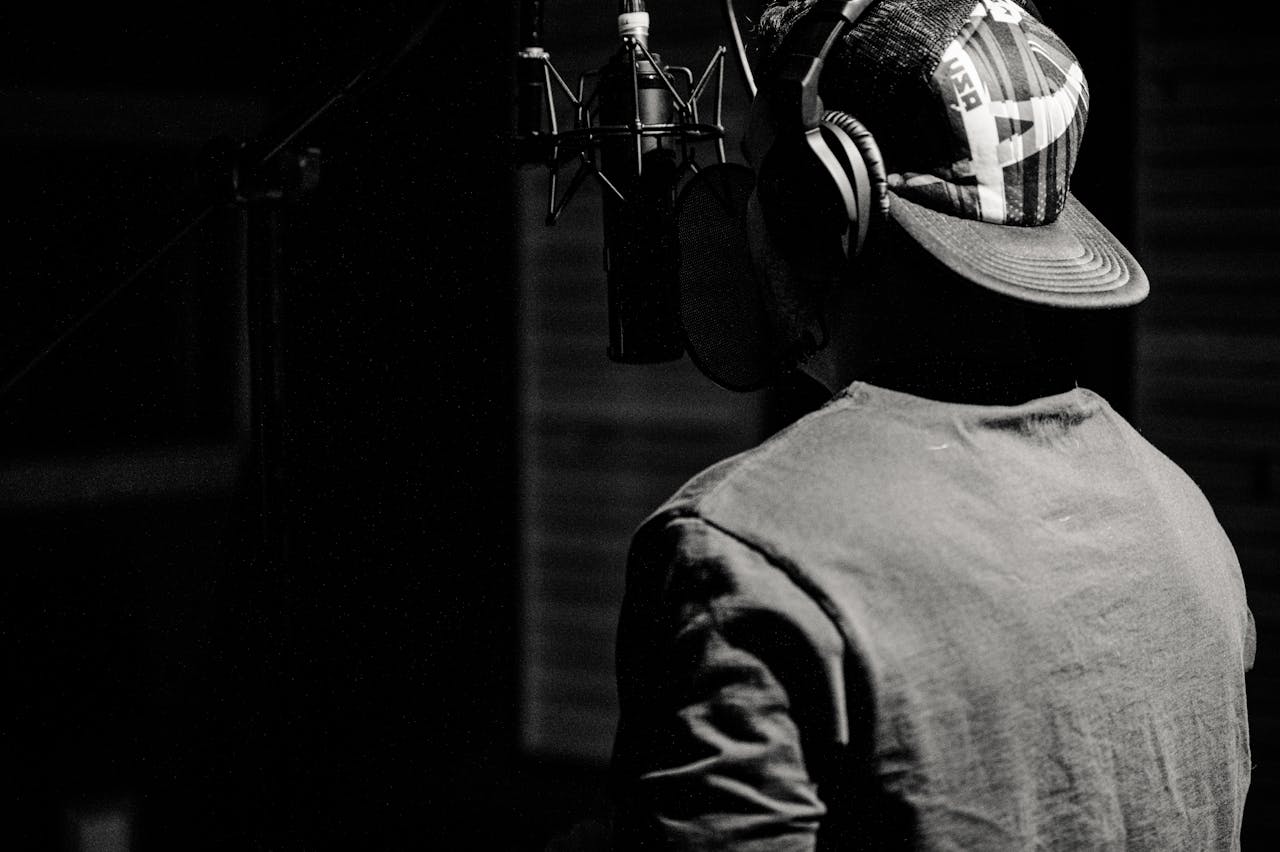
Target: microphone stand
(257, 177)
(260, 273)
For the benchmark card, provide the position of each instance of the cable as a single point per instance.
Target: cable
(740, 48)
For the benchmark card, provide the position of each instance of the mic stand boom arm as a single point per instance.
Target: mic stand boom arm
(228, 169)
(256, 176)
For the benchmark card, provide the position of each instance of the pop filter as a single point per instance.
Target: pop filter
(722, 304)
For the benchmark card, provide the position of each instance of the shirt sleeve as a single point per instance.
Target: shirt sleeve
(729, 681)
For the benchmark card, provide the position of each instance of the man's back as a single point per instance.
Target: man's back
(940, 625)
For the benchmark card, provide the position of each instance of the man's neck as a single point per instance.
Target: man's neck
(978, 357)
(973, 381)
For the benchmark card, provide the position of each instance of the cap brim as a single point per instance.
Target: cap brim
(1074, 262)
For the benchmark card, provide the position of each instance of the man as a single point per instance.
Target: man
(964, 605)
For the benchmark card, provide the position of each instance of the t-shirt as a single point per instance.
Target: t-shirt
(906, 623)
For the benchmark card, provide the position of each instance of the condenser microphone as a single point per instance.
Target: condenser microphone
(637, 132)
(641, 250)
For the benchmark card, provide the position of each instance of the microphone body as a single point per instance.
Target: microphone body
(641, 249)
(531, 86)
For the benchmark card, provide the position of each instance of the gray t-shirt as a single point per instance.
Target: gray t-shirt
(905, 623)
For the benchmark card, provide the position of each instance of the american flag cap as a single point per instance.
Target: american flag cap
(979, 110)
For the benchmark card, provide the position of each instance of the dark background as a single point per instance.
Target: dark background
(353, 684)
(358, 694)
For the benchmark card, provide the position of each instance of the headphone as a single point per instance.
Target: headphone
(821, 181)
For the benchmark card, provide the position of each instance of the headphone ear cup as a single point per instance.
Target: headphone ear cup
(860, 157)
(822, 193)
(805, 208)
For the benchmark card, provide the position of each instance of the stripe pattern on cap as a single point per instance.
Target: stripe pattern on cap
(1016, 102)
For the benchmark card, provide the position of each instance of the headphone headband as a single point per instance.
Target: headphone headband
(805, 50)
(791, 91)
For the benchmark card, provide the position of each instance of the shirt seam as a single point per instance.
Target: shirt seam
(853, 650)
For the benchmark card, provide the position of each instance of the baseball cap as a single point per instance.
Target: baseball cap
(979, 109)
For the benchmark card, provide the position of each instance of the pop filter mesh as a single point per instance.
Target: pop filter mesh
(722, 308)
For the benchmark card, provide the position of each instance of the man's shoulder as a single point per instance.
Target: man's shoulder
(812, 466)
(873, 468)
